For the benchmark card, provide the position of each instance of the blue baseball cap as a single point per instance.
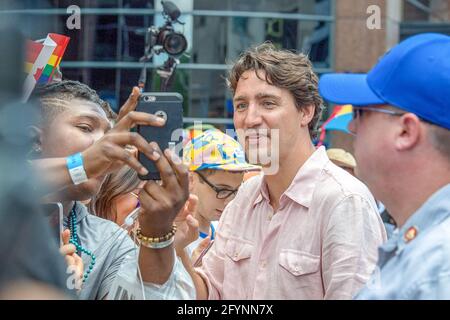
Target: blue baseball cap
(413, 76)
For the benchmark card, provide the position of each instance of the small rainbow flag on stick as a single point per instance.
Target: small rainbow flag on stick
(42, 60)
(338, 120)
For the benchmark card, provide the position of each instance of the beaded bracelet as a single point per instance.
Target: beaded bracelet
(158, 245)
(164, 238)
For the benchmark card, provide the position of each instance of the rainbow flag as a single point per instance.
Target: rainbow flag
(338, 120)
(42, 60)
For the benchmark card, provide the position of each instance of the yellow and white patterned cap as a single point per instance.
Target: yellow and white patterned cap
(215, 150)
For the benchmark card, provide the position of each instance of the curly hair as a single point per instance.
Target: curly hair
(284, 69)
(55, 97)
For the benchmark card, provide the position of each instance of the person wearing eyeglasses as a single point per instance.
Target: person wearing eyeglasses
(217, 166)
(401, 124)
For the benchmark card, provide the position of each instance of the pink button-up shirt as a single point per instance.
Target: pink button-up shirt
(320, 244)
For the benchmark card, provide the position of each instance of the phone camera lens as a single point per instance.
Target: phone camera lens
(161, 114)
(149, 98)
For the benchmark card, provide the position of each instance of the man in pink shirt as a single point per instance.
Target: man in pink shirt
(306, 229)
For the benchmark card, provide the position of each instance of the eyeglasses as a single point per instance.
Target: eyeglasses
(221, 193)
(357, 112)
(136, 195)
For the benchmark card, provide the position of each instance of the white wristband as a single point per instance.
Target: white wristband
(76, 168)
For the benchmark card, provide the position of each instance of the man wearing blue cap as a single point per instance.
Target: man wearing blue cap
(402, 146)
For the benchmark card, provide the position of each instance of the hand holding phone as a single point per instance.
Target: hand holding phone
(198, 261)
(169, 106)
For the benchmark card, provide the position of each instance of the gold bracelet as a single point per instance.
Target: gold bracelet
(159, 245)
(164, 238)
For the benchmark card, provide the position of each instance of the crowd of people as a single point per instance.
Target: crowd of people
(225, 223)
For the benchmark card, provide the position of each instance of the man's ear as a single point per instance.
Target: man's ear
(409, 132)
(307, 115)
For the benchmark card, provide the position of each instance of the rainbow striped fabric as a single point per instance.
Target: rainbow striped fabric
(338, 120)
(42, 60)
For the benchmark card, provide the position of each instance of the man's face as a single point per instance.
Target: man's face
(74, 130)
(209, 207)
(373, 147)
(267, 116)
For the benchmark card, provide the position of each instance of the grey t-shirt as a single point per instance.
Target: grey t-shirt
(108, 242)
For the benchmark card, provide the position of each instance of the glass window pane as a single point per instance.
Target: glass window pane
(413, 13)
(219, 39)
(133, 30)
(96, 41)
(321, 7)
(128, 79)
(206, 94)
(101, 80)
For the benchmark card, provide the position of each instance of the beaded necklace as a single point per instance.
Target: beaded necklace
(76, 242)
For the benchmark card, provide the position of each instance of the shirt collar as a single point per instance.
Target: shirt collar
(263, 193)
(431, 213)
(80, 211)
(301, 189)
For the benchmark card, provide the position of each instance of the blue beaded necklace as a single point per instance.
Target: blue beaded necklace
(76, 242)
